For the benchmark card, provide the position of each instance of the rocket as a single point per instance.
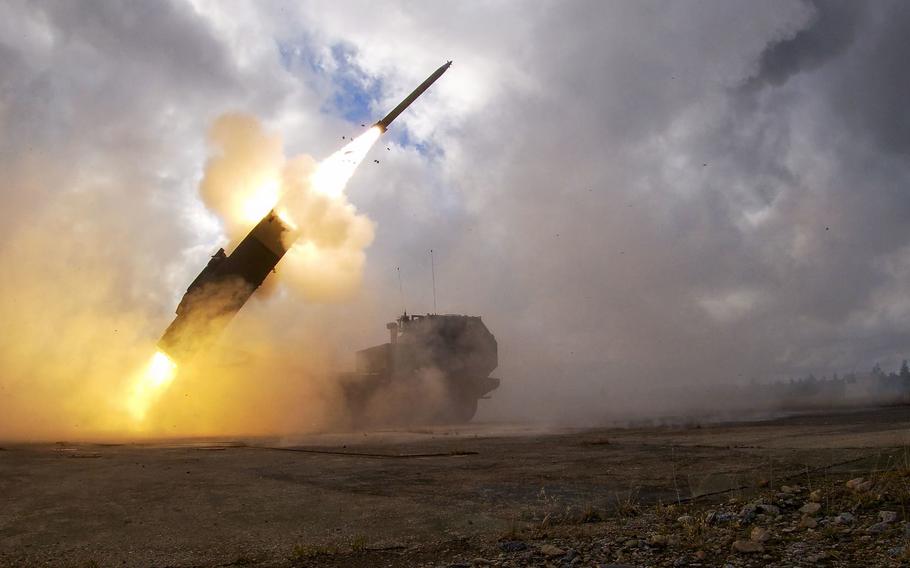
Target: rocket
(218, 293)
(387, 120)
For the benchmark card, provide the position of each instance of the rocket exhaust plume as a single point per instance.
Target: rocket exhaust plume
(229, 280)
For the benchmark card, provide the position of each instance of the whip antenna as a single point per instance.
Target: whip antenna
(401, 290)
(433, 269)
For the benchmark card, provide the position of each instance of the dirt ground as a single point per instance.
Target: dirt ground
(395, 497)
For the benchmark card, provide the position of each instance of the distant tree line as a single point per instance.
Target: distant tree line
(876, 384)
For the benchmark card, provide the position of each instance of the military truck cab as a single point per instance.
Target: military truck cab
(440, 363)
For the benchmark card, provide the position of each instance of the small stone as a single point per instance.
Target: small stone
(762, 482)
(701, 554)
(816, 557)
(854, 482)
(759, 534)
(512, 546)
(887, 516)
(790, 489)
(719, 518)
(685, 520)
(816, 496)
(631, 543)
(747, 547)
(844, 519)
(808, 522)
(864, 486)
(481, 562)
(747, 514)
(877, 528)
(550, 551)
(810, 508)
(658, 540)
(768, 509)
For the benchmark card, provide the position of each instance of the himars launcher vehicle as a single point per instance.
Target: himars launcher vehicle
(436, 366)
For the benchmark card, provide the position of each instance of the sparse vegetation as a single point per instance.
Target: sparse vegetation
(309, 551)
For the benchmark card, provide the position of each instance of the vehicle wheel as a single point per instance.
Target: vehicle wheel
(464, 410)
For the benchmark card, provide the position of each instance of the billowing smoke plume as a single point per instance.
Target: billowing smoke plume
(248, 176)
(242, 178)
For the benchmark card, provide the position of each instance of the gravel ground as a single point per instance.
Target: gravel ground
(831, 522)
(508, 495)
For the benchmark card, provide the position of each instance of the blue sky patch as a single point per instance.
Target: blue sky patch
(352, 94)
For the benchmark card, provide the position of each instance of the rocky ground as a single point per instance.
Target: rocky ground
(761, 493)
(824, 522)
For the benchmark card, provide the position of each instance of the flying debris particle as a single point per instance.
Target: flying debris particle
(826, 228)
(342, 137)
(377, 161)
(704, 165)
(362, 124)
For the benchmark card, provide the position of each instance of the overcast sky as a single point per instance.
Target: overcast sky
(632, 194)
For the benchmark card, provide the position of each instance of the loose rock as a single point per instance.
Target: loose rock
(512, 546)
(810, 508)
(887, 516)
(759, 534)
(844, 519)
(747, 513)
(808, 522)
(550, 551)
(854, 482)
(877, 528)
(747, 547)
